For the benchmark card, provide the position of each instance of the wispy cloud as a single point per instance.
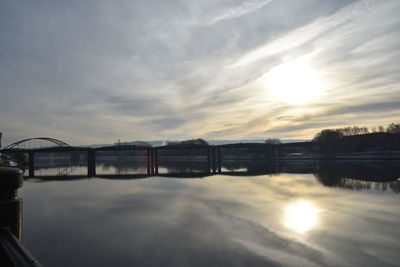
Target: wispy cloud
(243, 9)
(155, 69)
(309, 32)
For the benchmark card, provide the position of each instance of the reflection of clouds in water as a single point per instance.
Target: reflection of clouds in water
(264, 242)
(286, 258)
(219, 220)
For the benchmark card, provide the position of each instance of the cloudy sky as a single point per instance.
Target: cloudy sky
(94, 71)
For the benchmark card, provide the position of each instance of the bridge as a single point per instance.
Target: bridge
(21, 144)
(212, 154)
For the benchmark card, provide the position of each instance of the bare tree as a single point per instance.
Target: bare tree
(393, 128)
(273, 141)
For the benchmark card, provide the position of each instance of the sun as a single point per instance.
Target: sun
(301, 216)
(295, 82)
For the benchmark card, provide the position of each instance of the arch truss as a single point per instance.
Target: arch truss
(49, 139)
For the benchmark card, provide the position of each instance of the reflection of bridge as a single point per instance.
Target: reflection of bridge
(354, 175)
(213, 154)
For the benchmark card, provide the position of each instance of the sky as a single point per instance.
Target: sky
(90, 72)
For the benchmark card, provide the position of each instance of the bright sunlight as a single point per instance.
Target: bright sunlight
(295, 82)
(301, 216)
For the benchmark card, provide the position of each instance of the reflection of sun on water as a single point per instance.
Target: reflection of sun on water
(294, 82)
(301, 216)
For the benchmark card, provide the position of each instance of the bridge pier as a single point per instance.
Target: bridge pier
(208, 160)
(156, 161)
(219, 158)
(214, 159)
(152, 161)
(91, 163)
(150, 164)
(31, 164)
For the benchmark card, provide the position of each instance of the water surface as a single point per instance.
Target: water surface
(278, 219)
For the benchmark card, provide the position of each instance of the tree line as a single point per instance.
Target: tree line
(358, 139)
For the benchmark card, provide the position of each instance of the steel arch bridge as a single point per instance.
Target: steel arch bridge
(59, 143)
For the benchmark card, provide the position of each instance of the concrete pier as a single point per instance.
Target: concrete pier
(155, 161)
(31, 164)
(91, 163)
(219, 155)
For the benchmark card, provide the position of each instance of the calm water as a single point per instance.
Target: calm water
(298, 214)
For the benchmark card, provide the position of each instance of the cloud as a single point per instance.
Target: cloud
(308, 33)
(294, 128)
(375, 107)
(166, 124)
(238, 11)
(143, 70)
(138, 106)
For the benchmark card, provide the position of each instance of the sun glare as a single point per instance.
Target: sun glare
(294, 82)
(301, 216)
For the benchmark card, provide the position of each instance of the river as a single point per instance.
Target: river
(252, 214)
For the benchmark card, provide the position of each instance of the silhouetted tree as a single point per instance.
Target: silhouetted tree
(134, 143)
(198, 141)
(273, 141)
(327, 140)
(355, 130)
(393, 128)
(358, 139)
